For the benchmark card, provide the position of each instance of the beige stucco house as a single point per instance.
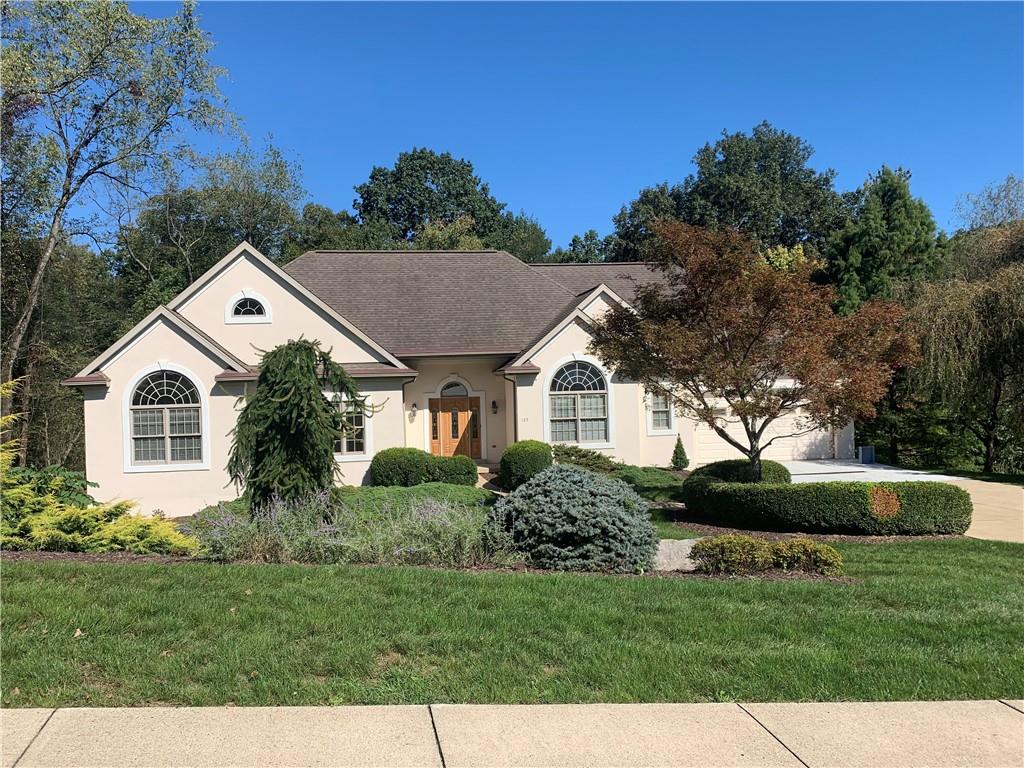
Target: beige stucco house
(460, 352)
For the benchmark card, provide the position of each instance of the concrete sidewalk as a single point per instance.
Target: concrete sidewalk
(954, 733)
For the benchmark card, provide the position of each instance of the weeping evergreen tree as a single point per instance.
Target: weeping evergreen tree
(283, 443)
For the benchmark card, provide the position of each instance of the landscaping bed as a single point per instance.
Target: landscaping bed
(915, 620)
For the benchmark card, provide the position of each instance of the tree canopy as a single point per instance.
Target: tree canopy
(890, 237)
(98, 94)
(760, 184)
(425, 188)
(723, 326)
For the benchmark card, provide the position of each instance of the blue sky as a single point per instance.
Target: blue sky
(567, 110)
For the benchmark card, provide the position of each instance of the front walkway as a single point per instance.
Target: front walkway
(934, 733)
(998, 507)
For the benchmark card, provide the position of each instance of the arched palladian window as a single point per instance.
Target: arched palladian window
(166, 420)
(579, 404)
(248, 307)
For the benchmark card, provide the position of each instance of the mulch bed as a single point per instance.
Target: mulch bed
(706, 529)
(117, 558)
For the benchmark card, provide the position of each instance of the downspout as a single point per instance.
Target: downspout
(406, 383)
(515, 408)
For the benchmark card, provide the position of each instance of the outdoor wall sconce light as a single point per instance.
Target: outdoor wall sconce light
(415, 408)
(494, 406)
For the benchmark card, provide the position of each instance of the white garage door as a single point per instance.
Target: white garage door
(710, 447)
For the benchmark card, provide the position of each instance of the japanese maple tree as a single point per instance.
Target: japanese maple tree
(723, 327)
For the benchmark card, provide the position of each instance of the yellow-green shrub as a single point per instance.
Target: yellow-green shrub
(34, 517)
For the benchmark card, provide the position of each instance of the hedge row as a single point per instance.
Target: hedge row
(739, 471)
(411, 466)
(875, 509)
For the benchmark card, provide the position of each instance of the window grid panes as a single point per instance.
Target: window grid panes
(580, 415)
(354, 439)
(661, 412)
(162, 431)
(248, 308)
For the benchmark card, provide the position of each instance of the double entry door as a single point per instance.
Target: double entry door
(455, 426)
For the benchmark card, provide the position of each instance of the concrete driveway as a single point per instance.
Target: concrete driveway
(998, 507)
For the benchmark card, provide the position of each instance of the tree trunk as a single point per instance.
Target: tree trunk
(35, 290)
(991, 425)
(755, 466)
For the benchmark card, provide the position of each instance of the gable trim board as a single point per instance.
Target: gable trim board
(113, 353)
(183, 299)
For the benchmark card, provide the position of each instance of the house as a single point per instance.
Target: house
(459, 352)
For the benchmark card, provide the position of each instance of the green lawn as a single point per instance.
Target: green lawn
(662, 519)
(924, 620)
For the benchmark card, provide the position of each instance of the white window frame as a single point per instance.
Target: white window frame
(128, 452)
(367, 451)
(608, 393)
(652, 430)
(231, 319)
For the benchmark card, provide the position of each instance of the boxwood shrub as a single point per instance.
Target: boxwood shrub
(733, 554)
(411, 466)
(739, 471)
(567, 518)
(521, 461)
(877, 509)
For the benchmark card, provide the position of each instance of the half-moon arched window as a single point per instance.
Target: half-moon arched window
(579, 404)
(454, 389)
(166, 420)
(248, 307)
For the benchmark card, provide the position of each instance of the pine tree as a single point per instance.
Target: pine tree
(283, 444)
(679, 458)
(890, 238)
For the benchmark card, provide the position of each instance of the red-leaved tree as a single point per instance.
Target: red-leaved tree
(724, 327)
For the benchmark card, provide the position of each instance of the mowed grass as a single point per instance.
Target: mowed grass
(923, 620)
(664, 524)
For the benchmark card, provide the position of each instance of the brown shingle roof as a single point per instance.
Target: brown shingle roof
(619, 276)
(431, 302)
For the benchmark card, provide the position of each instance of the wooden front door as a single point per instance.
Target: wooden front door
(455, 426)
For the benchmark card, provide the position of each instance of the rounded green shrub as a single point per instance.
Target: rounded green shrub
(401, 466)
(567, 518)
(457, 470)
(739, 471)
(521, 461)
(732, 554)
(411, 466)
(803, 554)
(736, 553)
(910, 508)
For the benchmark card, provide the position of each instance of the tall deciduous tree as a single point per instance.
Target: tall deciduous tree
(186, 228)
(724, 327)
(891, 237)
(760, 184)
(108, 89)
(588, 249)
(973, 343)
(283, 444)
(425, 188)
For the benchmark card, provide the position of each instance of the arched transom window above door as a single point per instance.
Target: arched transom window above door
(579, 404)
(454, 389)
(166, 420)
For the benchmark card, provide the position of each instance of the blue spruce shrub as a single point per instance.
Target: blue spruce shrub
(567, 518)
